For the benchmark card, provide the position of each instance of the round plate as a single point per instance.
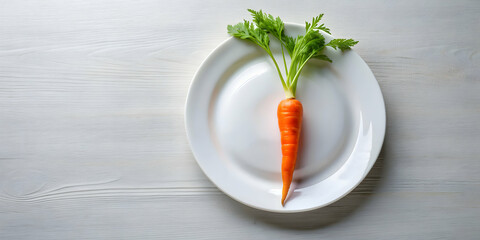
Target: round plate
(232, 127)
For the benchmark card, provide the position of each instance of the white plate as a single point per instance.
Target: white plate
(232, 125)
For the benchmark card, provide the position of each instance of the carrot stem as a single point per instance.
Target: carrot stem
(284, 62)
(285, 88)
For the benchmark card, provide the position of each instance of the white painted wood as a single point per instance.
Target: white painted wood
(93, 144)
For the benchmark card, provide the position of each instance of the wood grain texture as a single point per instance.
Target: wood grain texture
(92, 137)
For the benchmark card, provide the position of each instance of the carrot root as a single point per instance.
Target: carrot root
(290, 114)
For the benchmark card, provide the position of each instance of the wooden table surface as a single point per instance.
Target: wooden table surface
(92, 138)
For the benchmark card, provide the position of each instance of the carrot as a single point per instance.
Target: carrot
(289, 114)
(300, 49)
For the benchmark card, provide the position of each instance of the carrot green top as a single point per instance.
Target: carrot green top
(300, 49)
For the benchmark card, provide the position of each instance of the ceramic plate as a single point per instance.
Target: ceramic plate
(232, 127)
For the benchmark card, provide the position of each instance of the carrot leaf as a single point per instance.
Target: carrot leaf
(300, 48)
(342, 44)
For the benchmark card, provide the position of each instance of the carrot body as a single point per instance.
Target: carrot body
(290, 114)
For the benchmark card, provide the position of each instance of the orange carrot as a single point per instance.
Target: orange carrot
(289, 114)
(300, 49)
